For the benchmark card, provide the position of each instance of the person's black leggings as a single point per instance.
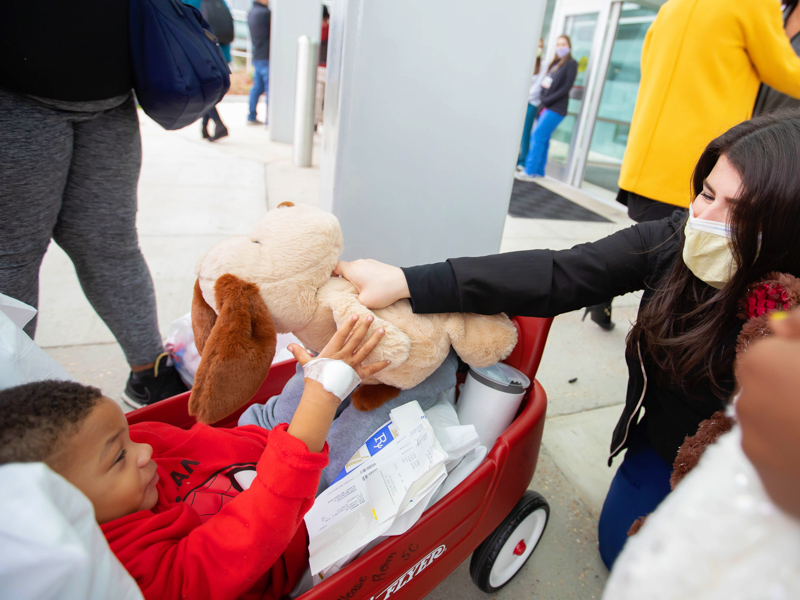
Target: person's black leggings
(213, 115)
(69, 171)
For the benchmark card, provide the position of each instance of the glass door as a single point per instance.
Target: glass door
(620, 86)
(584, 21)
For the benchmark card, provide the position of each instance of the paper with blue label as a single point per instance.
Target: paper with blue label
(371, 447)
(400, 465)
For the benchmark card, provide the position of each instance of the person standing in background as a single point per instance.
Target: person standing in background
(768, 98)
(71, 152)
(259, 22)
(534, 100)
(217, 12)
(555, 87)
(322, 68)
(694, 86)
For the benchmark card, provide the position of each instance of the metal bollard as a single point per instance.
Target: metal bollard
(305, 87)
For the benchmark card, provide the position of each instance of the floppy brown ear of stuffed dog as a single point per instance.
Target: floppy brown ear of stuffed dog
(203, 318)
(236, 345)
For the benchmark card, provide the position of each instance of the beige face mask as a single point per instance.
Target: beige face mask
(707, 251)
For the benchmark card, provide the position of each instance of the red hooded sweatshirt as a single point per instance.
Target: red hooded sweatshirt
(206, 537)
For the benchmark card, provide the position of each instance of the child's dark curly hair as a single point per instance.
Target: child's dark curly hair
(36, 417)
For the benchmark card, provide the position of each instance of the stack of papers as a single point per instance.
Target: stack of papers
(366, 503)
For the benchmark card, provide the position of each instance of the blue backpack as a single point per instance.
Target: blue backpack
(179, 71)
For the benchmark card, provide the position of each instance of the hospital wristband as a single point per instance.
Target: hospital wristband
(335, 376)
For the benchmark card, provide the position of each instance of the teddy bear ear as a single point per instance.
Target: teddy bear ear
(237, 352)
(203, 318)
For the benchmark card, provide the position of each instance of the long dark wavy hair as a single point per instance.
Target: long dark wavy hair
(681, 331)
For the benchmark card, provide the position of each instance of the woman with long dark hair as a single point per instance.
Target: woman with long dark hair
(694, 270)
(554, 97)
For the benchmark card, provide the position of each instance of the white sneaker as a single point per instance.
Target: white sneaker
(523, 176)
(520, 168)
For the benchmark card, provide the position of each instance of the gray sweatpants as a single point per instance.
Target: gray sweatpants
(351, 427)
(69, 171)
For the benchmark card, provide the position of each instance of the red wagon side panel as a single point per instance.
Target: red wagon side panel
(447, 533)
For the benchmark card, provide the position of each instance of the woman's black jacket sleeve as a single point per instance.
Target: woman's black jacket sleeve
(545, 283)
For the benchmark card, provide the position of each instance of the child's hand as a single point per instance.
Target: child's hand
(785, 324)
(768, 409)
(344, 346)
(312, 419)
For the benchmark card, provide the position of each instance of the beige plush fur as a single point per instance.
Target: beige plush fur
(290, 255)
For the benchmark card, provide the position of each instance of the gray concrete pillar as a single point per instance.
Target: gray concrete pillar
(425, 103)
(290, 20)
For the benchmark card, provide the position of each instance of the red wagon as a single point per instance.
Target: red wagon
(490, 514)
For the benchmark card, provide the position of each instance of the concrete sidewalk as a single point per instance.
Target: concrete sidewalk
(194, 193)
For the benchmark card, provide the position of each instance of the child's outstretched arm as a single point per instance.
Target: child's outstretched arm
(319, 402)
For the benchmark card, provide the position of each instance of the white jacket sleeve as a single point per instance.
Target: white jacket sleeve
(50, 543)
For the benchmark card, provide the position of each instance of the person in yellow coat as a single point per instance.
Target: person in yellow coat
(702, 64)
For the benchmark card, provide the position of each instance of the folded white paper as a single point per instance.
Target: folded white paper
(366, 502)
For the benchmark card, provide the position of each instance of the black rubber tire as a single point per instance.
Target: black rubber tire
(485, 555)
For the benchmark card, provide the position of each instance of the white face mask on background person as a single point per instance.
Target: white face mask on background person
(707, 251)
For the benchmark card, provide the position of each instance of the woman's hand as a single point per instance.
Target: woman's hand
(344, 346)
(378, 284)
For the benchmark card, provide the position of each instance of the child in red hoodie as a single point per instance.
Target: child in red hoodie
(198, 513)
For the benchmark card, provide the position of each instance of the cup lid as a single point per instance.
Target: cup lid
(500, 376)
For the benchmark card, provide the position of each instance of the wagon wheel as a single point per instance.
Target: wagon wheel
(501, 555)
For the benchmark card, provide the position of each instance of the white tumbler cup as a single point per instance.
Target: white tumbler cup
(490, 400)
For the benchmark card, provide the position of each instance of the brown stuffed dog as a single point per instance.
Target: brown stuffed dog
(278, 279)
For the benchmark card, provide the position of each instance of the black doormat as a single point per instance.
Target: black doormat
(532, 201)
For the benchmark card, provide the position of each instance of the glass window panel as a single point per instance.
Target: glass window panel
(581, 30)
(610, 133)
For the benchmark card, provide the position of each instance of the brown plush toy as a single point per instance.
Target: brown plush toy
(776, 292)
(278, 279)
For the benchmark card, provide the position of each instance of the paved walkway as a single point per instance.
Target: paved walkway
(194, 193)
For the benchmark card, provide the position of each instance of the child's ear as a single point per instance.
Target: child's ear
(237, 352)
(203, 318)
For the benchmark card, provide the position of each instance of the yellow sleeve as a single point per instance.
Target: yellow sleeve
(646, 45)
(769, 48)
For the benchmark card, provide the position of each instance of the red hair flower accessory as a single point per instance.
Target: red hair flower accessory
(766, 297)
(776, 292)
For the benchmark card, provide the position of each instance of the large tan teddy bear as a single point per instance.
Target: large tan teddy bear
(278, 279)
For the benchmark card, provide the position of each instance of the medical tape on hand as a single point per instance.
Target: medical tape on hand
(335, 376)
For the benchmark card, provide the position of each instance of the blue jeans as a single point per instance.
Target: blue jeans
(540, 142)
(260, 86)
(530, 117)
(641, 483)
